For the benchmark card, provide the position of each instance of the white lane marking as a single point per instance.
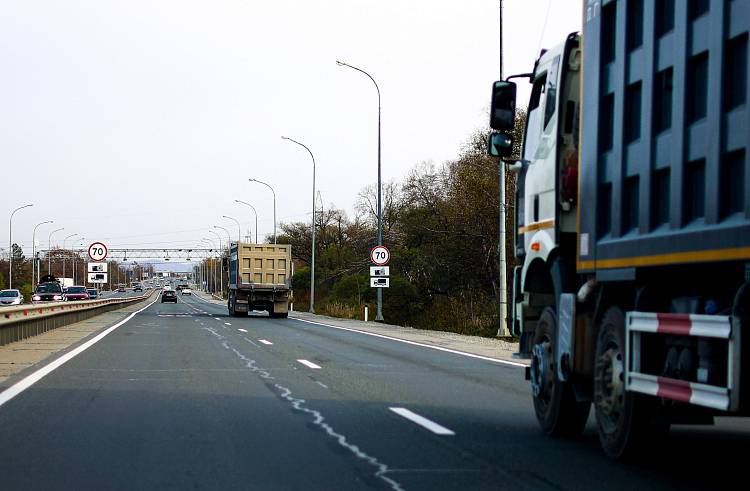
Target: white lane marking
(321, 384)
(318, 419)
(217, 318)
(265, 342)
(242, 330)
(414, 343)
(309, 364)
(422, 421)
(227, 323)
(35, 377)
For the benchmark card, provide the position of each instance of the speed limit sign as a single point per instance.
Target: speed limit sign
(380, 255)
(97, 251)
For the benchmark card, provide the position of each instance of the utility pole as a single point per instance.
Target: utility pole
(503, 330)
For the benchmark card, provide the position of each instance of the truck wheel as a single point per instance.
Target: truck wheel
(557, 410)
(622, 418)
(230, 304)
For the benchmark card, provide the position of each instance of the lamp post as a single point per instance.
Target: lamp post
(312, 267)
(65, 254)
(256, 217)
(10, 245)
(379, 316)
(239, 229)
(75, 270)
(274, 206)
(229, 237)
(34, 265)
(49, 252)
(213, 268)
(221, 252)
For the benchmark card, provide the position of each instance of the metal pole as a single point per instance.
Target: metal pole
(34, 265)
(49, 251)
(10, 246)
(220, 273)
(75, 270)
(256, 218)
(503, 328)
(312, 268)
(379, 316)
(274, 206)
(65, 254)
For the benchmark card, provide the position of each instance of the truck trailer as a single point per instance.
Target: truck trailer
(633, 220)
(259, 279)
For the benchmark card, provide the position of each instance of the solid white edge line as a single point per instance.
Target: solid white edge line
(309, 364)
(414, 343)
(35, 377)
(422, 421)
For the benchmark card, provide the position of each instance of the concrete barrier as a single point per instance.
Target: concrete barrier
(24, 321)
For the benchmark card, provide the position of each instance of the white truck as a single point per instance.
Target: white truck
(633, 221)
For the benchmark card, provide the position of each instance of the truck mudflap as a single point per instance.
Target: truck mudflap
(689, 358)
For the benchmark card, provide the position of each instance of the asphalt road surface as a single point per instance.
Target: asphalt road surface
(182, 396)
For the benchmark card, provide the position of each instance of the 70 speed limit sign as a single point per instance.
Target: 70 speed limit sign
(97, 251)
(380, 255)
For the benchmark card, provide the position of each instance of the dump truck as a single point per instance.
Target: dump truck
(633, 220)
(259, 279)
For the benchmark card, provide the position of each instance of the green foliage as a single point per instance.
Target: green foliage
(441, 225)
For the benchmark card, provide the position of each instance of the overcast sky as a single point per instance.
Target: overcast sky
(138, 123)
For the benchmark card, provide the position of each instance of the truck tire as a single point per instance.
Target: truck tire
(557, 410)
(622, 418)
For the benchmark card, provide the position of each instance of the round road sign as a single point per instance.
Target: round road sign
(380, 255)
(97, 251)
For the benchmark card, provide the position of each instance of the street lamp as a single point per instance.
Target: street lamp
(221, 274)
(75, 270)
(256, 217)
(379, 316)
(65, 253)
(274, 206)
(312, 268)
(213, 263)
(34, 265)
(239, 229)
(10, 246)
(49, 251)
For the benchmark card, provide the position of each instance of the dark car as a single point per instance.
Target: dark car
(137, 288)
(77, 292)
(93, 292)
(168, 296)
(48, 290)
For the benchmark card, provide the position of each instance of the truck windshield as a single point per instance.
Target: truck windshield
(535, 118)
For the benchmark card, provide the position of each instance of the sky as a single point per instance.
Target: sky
(139, 123)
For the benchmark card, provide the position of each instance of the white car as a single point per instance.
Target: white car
(11, 297)
(186, 290)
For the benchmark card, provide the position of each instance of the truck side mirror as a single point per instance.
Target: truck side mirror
(500, 145)
(503, 109)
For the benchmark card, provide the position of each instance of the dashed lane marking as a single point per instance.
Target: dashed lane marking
(265, 342)
(422, 421)
(309, 364)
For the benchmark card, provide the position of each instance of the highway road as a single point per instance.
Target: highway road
(182, 396)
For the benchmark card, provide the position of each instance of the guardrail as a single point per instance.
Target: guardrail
(24, 321)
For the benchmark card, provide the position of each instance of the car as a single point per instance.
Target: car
(121, 289)
(186, 290)
(137, 289)
(11, 297)
(169, 296)
(179, 287)
(49, 289)
(76, 292)
(93, 292)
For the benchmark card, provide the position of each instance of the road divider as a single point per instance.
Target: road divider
(24, 321)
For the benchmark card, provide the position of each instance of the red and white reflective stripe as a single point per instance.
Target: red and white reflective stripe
(680, 390)
(711, 326)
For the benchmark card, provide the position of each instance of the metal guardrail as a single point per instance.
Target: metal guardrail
(24, 321)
